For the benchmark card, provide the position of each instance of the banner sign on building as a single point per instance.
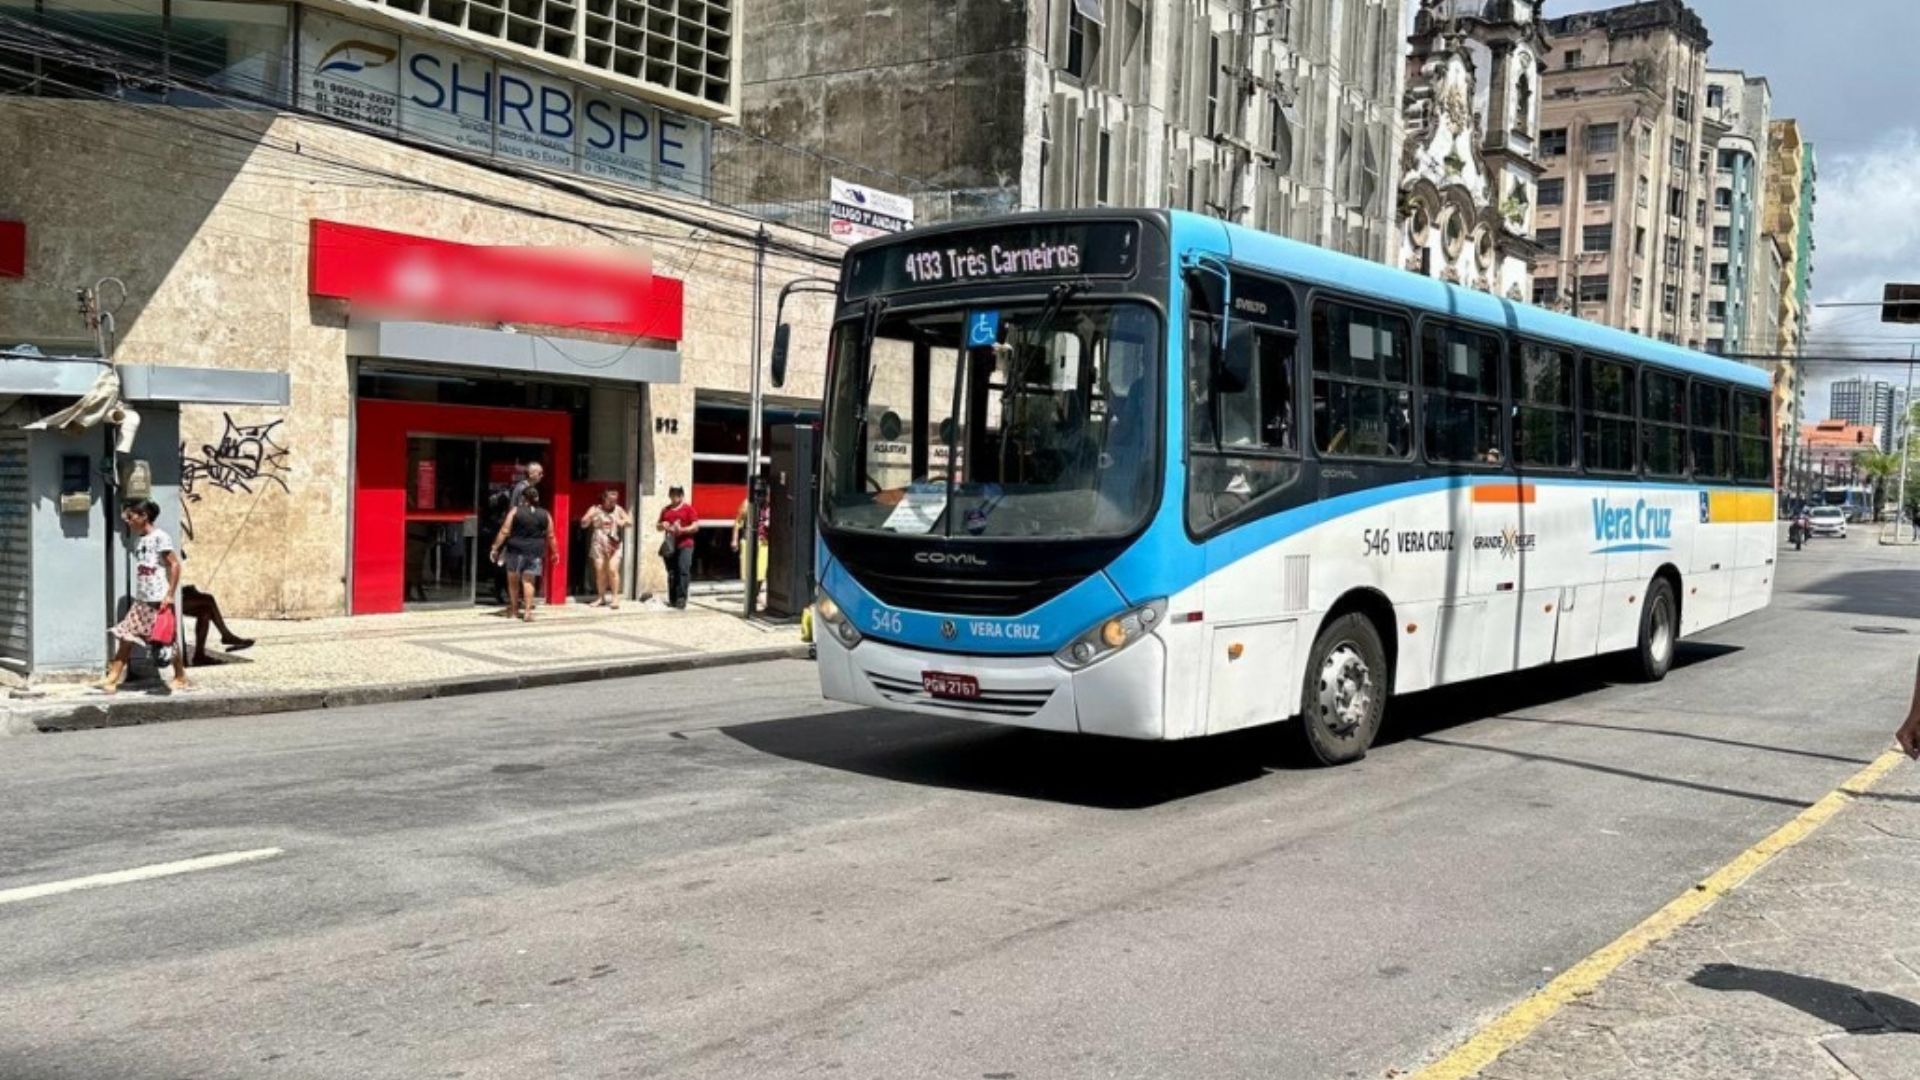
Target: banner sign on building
(424, 89)
(862, 213)
(417, 277)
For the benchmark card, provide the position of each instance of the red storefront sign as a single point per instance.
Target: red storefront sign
(418, 277)
(13, 249)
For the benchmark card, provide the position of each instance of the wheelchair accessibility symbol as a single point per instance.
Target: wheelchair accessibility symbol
(983, 329)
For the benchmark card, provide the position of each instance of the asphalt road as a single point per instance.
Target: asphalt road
(717, 875)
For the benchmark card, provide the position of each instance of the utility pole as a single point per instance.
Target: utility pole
(1906, 448)
(756, 496)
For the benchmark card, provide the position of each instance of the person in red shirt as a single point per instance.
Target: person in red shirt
(681, 524)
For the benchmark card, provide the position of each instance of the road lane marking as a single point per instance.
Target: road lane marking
(1506, 1031)
(138, 873)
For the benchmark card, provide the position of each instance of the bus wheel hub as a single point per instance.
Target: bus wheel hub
(1346, 691)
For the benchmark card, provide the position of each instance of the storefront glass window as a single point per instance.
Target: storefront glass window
(236, 46)
(719, 485)
(135, 29)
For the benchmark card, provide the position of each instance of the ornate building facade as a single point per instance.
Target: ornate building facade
(1470, 174)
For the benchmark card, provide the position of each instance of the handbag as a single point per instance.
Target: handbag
(666, 548)
(165, 627)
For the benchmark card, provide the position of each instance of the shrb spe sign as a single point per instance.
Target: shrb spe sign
(429, 90)
(862, 213)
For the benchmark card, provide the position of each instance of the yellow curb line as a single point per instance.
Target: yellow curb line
(1501, 1035)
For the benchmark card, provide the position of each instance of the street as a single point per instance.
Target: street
(716, 874)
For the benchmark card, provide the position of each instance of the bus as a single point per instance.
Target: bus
(1856, 500)
(1151, 475)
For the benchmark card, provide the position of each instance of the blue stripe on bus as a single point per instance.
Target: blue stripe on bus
(1040, 632)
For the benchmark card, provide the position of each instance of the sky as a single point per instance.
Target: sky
(1844, 69)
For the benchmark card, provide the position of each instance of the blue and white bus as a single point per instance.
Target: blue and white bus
(1150, 475)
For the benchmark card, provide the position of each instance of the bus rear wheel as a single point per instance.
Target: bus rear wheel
(1659, 632)
(1345, 691)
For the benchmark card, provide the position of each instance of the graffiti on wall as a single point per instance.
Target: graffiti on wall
(247, 459)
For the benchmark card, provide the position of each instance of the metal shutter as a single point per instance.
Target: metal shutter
(16, 567)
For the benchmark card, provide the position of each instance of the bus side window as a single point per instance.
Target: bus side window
(1712, 422)
(1460, 379)
(1753, 452)
(1362, 382)
(1543, 413)
(1663, 423)
(1607, 416)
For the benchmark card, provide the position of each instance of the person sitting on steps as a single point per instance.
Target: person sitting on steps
(205, 611)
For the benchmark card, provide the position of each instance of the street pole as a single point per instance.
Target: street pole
(750, 548)
(1906, 449)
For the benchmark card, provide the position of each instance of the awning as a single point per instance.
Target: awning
(506, 350)
(150, 383)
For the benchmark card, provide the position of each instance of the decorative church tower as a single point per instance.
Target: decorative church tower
(1470, 170)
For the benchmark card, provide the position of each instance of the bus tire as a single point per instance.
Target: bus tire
(1345, 691)
(1659, 632)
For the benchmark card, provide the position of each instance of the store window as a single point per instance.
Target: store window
(721, 423)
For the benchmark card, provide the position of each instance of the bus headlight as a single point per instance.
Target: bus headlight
(829, 613)
(1111, 636)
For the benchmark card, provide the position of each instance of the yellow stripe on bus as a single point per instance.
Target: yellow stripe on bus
(1730, 507)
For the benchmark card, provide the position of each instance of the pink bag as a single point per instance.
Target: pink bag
(165, 626)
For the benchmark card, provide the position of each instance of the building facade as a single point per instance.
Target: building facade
(1282, 116)
(1743, 106)
(457, 257)
(1792, 172)
(1629, 154)
(1469, 173)
(1871, 403)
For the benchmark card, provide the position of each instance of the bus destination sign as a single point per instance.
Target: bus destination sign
(1060, 250)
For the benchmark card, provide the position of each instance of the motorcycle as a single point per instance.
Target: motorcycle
(1800, 530)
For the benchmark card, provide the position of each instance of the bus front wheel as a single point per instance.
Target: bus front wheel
(1346, 690)
(1659, 632)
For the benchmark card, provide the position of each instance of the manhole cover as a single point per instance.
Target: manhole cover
(1880, 630)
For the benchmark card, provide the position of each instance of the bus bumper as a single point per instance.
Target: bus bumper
(1123, 695)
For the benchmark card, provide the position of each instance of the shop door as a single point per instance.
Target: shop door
(458, 491)
(16, 563)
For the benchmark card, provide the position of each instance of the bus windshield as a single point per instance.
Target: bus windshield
(1036, 421)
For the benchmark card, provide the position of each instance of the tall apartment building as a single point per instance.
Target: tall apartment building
(1872, 403)
(1280, 115)
(1629, 155)
(1743, 105)
(1792, 172)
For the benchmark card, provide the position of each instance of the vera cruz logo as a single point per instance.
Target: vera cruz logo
(1631, 528)
(353, 57)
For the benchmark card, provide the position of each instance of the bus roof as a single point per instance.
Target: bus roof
(1322, 266)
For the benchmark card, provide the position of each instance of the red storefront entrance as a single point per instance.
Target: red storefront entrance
(404, 503)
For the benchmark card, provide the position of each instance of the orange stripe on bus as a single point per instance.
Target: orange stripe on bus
(1503, 493)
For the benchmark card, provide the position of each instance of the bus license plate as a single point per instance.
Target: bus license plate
(959, 687)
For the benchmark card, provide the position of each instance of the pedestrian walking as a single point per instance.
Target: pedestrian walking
(681, 524)
(606, 524)
(739, 533)
(156, 579)
(535, 472)
(1909, 734)
(528, 540)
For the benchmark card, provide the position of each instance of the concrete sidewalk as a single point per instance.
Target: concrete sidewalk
(1809, 968)
(372, 659)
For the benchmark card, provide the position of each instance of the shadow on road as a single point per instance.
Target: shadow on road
(1118, 774)
(1890, 594)
(1861, 1012)
(1081, 770)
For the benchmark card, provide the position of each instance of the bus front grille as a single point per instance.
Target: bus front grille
(997, 702)
(963, 596)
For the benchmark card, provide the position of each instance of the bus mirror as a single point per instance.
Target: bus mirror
(782, 338)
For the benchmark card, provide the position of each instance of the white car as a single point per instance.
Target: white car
(1828, 521)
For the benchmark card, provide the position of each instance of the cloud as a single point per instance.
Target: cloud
(1867, 233)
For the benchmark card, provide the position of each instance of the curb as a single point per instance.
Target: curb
(93, 714)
